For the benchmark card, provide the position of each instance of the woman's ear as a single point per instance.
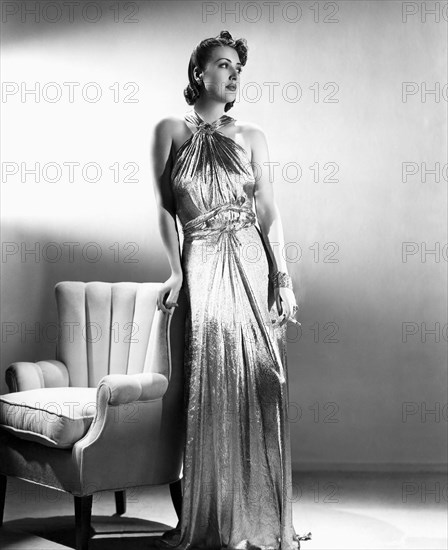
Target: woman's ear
(197, 75)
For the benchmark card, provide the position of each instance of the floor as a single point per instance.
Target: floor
(342, 511)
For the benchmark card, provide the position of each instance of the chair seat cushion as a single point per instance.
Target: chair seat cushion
(56, 417)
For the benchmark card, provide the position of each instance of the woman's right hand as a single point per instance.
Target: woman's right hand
(171, 287)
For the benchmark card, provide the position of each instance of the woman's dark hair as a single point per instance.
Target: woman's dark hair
(201, 56)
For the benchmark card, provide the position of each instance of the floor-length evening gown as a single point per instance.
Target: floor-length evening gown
(237, 464)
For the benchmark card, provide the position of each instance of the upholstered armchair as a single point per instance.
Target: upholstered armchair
(107, 413)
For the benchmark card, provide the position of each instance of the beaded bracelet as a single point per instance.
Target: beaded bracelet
(281, 279)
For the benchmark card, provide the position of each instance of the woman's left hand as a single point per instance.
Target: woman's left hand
(286, 301)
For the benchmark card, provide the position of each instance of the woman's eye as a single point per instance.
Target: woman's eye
(226, 64)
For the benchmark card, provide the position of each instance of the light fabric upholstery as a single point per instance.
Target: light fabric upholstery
(56, 417)
(106, 329)
(23, 376)
(118, 350)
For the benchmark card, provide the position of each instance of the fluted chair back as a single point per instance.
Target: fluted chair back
(106, 328)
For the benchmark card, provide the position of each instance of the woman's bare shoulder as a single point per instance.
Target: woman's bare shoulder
(169, 124)
(253, 134)
(250, 128)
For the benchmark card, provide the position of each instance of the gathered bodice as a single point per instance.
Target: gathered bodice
(212, 179)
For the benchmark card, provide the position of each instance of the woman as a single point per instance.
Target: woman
(237, 464)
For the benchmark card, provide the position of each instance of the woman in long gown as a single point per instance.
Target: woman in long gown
(237, 490)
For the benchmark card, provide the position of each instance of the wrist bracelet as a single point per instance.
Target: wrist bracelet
(280, 279)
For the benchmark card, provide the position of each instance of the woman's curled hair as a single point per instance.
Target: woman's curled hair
(201, 56)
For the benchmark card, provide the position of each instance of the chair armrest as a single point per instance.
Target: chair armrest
(128, 431)
(127, 388)
(23, 375)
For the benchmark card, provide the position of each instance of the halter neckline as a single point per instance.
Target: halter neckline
(198, 121)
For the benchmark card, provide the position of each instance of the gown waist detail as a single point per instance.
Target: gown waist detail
(224, 218)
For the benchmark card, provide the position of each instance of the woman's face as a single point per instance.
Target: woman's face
(221, 76)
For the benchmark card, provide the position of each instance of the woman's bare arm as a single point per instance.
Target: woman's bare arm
(268, 213)
(166, 205)
(269, 219)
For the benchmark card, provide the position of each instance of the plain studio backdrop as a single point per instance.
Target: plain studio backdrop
(353, 99)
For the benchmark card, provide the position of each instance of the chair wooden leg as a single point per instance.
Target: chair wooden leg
(120, 502)
(3, 480)
(176, 496)
(83, 514)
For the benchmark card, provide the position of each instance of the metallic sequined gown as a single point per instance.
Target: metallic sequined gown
(237, 464)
